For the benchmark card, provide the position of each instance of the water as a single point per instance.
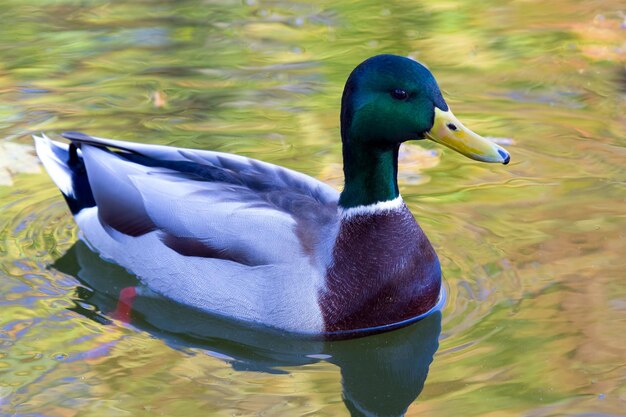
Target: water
(532, 253)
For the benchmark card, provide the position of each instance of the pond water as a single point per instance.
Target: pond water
(533, 253)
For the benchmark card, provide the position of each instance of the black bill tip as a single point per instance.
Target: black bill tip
(504, 155)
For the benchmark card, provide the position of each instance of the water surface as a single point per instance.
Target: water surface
(532, 253)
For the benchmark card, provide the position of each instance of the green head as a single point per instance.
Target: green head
(388, 100)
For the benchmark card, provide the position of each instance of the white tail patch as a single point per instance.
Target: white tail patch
(57, 169)
(376, 208)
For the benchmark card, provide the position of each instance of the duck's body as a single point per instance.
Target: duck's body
(253, 241)
(246, 239)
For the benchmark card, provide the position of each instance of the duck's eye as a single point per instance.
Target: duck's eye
(399, 94)
(452, 126)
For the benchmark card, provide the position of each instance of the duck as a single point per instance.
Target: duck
(265, 245)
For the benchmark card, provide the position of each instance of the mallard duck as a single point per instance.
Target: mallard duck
(256, 242)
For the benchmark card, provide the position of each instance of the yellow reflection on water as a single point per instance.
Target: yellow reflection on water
(532, 252)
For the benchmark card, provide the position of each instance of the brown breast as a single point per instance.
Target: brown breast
(384, 271)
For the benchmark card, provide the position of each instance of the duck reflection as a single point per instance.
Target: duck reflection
(381, 374)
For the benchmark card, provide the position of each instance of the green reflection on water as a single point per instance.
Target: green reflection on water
(532, 253)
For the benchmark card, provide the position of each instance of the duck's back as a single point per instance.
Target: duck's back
(219, 232)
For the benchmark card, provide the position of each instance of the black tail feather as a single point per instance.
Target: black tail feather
(83, 196)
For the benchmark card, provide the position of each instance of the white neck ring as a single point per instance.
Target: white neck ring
(369, 209)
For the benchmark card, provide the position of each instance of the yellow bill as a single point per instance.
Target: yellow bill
(448, 131)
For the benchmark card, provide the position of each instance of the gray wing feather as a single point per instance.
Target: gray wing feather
(120, 204)
(249, 211)
(250, 171)
(186, 210)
